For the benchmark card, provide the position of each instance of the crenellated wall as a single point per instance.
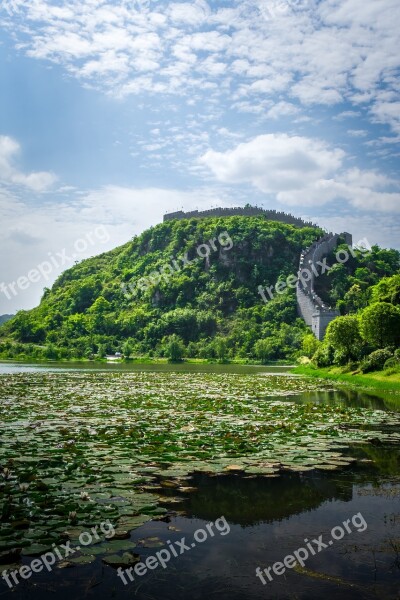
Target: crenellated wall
(246, 211)
(310, 306)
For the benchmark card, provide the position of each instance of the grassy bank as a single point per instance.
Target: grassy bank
(378, 380)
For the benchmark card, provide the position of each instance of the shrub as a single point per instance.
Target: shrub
(265, 349)
(324, 356)
(392, 363)
(375, 361)
(310, 345)
(174, 348)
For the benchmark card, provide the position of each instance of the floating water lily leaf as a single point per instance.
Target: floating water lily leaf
(126, 560)
(114, 546)
(87, 459)
(132, 523)
(36, 550)
(85, 559)
(151, 542)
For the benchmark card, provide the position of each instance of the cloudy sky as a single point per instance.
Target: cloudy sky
(115, 112)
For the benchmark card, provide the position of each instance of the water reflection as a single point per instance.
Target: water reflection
(23, 367)
(349, 397)
(269, 519)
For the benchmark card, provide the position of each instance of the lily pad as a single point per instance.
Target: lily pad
(85, 559)
(126, 560)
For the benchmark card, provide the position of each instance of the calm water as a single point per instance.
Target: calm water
(23, 367)
(269, 519)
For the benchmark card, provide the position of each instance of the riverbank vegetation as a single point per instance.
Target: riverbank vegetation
(365, 341)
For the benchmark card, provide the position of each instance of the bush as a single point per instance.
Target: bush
(266, 349)
(392, 363)
(375, 361)
(174, 348)
(310, 345)
(324, 356)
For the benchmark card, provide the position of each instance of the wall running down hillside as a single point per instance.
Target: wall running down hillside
(246, 211)
(310, 306)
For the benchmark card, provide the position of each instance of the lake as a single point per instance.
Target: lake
(164, 452)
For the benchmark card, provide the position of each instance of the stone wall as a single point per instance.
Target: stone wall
(312, 309)
(246, 211)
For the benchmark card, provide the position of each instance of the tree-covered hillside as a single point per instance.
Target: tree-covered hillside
(368, 336)
(4, 318)
(183, 287)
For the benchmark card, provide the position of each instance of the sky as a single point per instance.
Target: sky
(113, 113)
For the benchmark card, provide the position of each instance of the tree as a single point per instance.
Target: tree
(380, 324)
(344, 335)
(387, 290)
(355, 299)
(127, 349)
(221, 348)
(310, 345)
(265, 349)
(101, 351)
(174, 348)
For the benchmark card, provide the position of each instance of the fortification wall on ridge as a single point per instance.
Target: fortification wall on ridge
(246, 211)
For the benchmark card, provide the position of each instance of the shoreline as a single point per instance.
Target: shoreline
(376, 380)
(145, 361)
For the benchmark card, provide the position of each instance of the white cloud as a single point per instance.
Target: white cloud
(275, 162)
(319, 53)
(301, 171)
(357, 133)
(31, 232)
(282, 109)
(387, 112)
(11, 175)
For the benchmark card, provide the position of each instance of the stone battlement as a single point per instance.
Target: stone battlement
(310, 306)
(246, 211)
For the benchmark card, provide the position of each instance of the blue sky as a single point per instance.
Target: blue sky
(113, 113)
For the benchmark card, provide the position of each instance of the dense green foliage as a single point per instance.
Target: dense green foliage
(370, 338)
(376, 361)
(134, 294)
(156, 297)
(363, 278)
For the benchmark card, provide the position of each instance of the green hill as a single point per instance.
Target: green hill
(196, 279)
(4, 318)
